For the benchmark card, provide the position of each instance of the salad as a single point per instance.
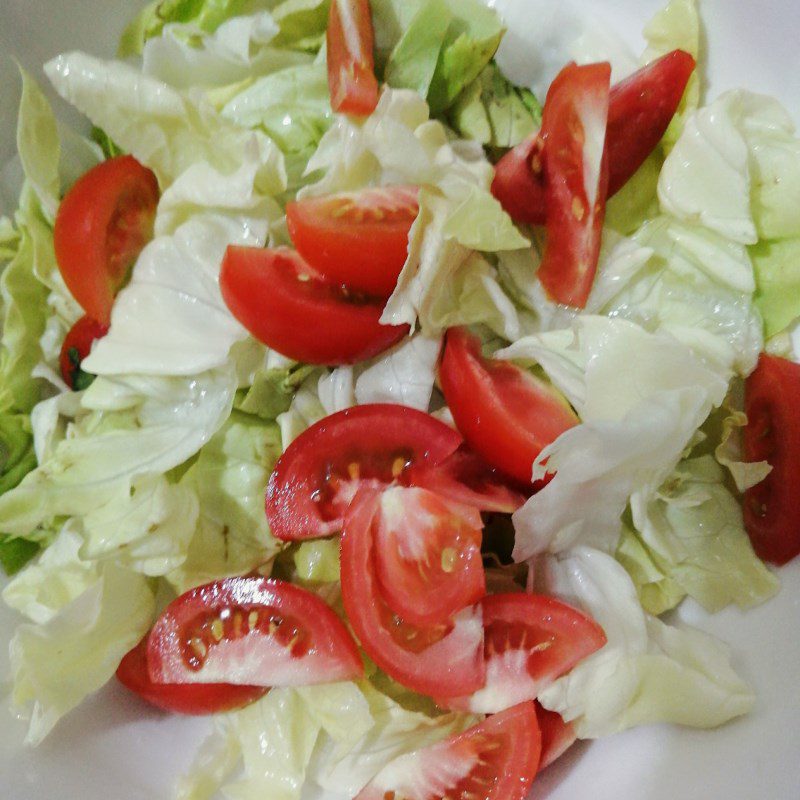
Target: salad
(378, 397)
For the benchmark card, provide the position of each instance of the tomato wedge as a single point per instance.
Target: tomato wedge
(495, 760)
(182, 698)
(251, 632)
(101, 227)
(557, 736)
(465, 478)
(505, 414)
(529, 641)
(77, 346)
(427, 555)
(319, 474)
(639, 112)
(430, 660)
(351, 65)
(771, 510)
(359, 239)
(285, 304)
(574, 124)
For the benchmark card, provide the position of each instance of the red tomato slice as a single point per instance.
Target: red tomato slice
(771, 510)
(285, 304)
(639, 112)
(182, 698)
(557, 736)
(319, 474)
(359, 239)
(102, 225)
(351, 66)
(251, 632)
(529, 641)
(466, 478)
(574, 124)
(427, 555)
(505, 414)
(77, 346)
(429, 660)
(495, 760)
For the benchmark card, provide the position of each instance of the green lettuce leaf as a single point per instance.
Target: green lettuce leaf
(317, 561)
(17, 456)
(777, 268)
(272, 390)
(694, 536)
(16, 553)
(302, 23)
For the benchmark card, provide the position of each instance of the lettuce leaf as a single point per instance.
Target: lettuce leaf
(16, 553)
(648, 672)
(17, 455)
(693, 533)
(272, 389)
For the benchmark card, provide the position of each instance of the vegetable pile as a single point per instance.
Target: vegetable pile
(353, 397)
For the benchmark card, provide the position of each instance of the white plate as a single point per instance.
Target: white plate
(112, 748)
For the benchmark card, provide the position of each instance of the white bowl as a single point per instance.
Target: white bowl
(113, 748)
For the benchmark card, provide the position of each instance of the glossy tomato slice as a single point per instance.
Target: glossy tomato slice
(495, 760)
(772, 434)
(529, 641)
(182, 698)
(77, 346)
(429, 660)
(101, 227)
(319, 474)
(505, 414)
(574, 122)
(285, 304)
(251, 632)
(351, 67)
(358, 239)
(639, 112)
(466, 478)
(557, 736)
(427, 555)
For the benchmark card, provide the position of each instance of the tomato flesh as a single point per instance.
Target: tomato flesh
(102, 225)
(494, 760)
(285, 304)
(467, 479)
(358, 239)
(640, 110)
(574, 124)
(351, 67)
(429, 660)
(557, 736)
(314, 481)
(504, 413)
(529, 641)
(182, 698)
(251, 632)
(77, 346)
(772, 434)
(427, 555)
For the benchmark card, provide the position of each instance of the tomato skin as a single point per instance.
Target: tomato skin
(102, 225)
(465, 478)
(494, 760)
(358, 239)
(574, 124)
(550, 638)
(285, 304)
(351, 65)
(557, 736)
(772, 433)
(251, 631)
(77, 346)
(372, 437)
(427, 660)
(640, 110)
(505, 414)
(427, 555)
(182, 698)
